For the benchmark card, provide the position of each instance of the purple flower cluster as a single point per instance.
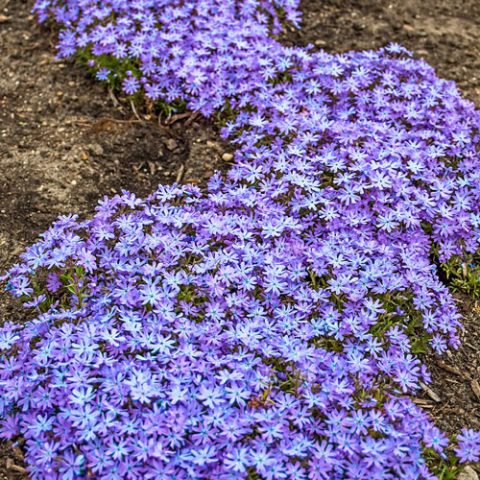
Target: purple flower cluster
(203, 51)
(195, 344)
(266, 328)
(468, 449)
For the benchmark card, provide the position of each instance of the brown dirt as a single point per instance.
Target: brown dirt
(65, 143)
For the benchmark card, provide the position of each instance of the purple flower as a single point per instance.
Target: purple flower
(131, 85)
(468, 449)
(265, 326)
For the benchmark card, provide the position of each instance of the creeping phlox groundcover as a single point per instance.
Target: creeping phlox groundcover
(268, 327)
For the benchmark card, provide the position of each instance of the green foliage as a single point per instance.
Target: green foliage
(253, 475)
(118, 69)
(463, 274)
(445, 468)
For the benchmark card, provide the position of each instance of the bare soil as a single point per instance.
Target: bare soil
(65, 143)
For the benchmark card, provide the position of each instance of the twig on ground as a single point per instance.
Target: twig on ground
(430, 392)
(12, 466)
(113, 98)
(105, 120)
(475, 388)
(452, 369)
(134, 110)
(193, 117)
(190, 116)
(422, 403)
(180, 173)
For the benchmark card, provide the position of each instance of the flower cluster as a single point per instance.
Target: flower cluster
(266, 328)
(468, 449)
(202, 51)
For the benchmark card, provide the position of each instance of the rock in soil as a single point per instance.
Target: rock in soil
(468, 473)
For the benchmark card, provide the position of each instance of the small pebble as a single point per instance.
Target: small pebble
(96, 149)
(227, 157)
(468, 473)
(171, 144)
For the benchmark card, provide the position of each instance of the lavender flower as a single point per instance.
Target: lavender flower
(267, 327)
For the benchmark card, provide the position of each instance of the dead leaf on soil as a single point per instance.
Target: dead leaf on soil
(451, 369)
(430, 392)
(476, 308)
(422, 403)
(16, 468)
(476, 388)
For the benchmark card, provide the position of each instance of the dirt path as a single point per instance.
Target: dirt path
(64, 143)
